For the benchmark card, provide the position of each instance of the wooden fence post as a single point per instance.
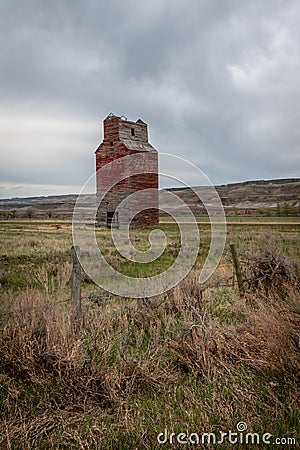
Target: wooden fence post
(237, 269)
(76, 282)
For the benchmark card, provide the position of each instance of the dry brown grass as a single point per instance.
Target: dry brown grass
(196, 358)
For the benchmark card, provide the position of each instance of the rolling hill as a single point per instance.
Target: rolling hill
(258, 197)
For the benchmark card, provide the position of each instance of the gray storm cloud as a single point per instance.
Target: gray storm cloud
(217, 82)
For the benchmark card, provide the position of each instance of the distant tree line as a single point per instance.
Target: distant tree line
(287, 210)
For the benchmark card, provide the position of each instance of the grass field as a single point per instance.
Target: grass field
(197, 359)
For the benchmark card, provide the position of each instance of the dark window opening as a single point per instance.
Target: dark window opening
(112, 219)
(111, 143)
(132, 131)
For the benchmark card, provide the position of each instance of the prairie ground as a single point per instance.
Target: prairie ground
(197, 359)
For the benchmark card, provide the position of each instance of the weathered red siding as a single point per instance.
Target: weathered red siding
(122, 138)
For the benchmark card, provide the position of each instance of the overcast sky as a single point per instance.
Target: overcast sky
(217, 81)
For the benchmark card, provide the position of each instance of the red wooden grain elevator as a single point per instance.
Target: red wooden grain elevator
(121, 138)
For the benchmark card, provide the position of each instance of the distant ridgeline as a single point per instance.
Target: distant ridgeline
(280, 197)
(259, 197)
(246, 183)
(260, 182)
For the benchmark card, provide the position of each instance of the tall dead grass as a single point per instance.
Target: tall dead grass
(68, 387)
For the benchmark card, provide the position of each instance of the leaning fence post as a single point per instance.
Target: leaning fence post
(237, 269)
(76, 281)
